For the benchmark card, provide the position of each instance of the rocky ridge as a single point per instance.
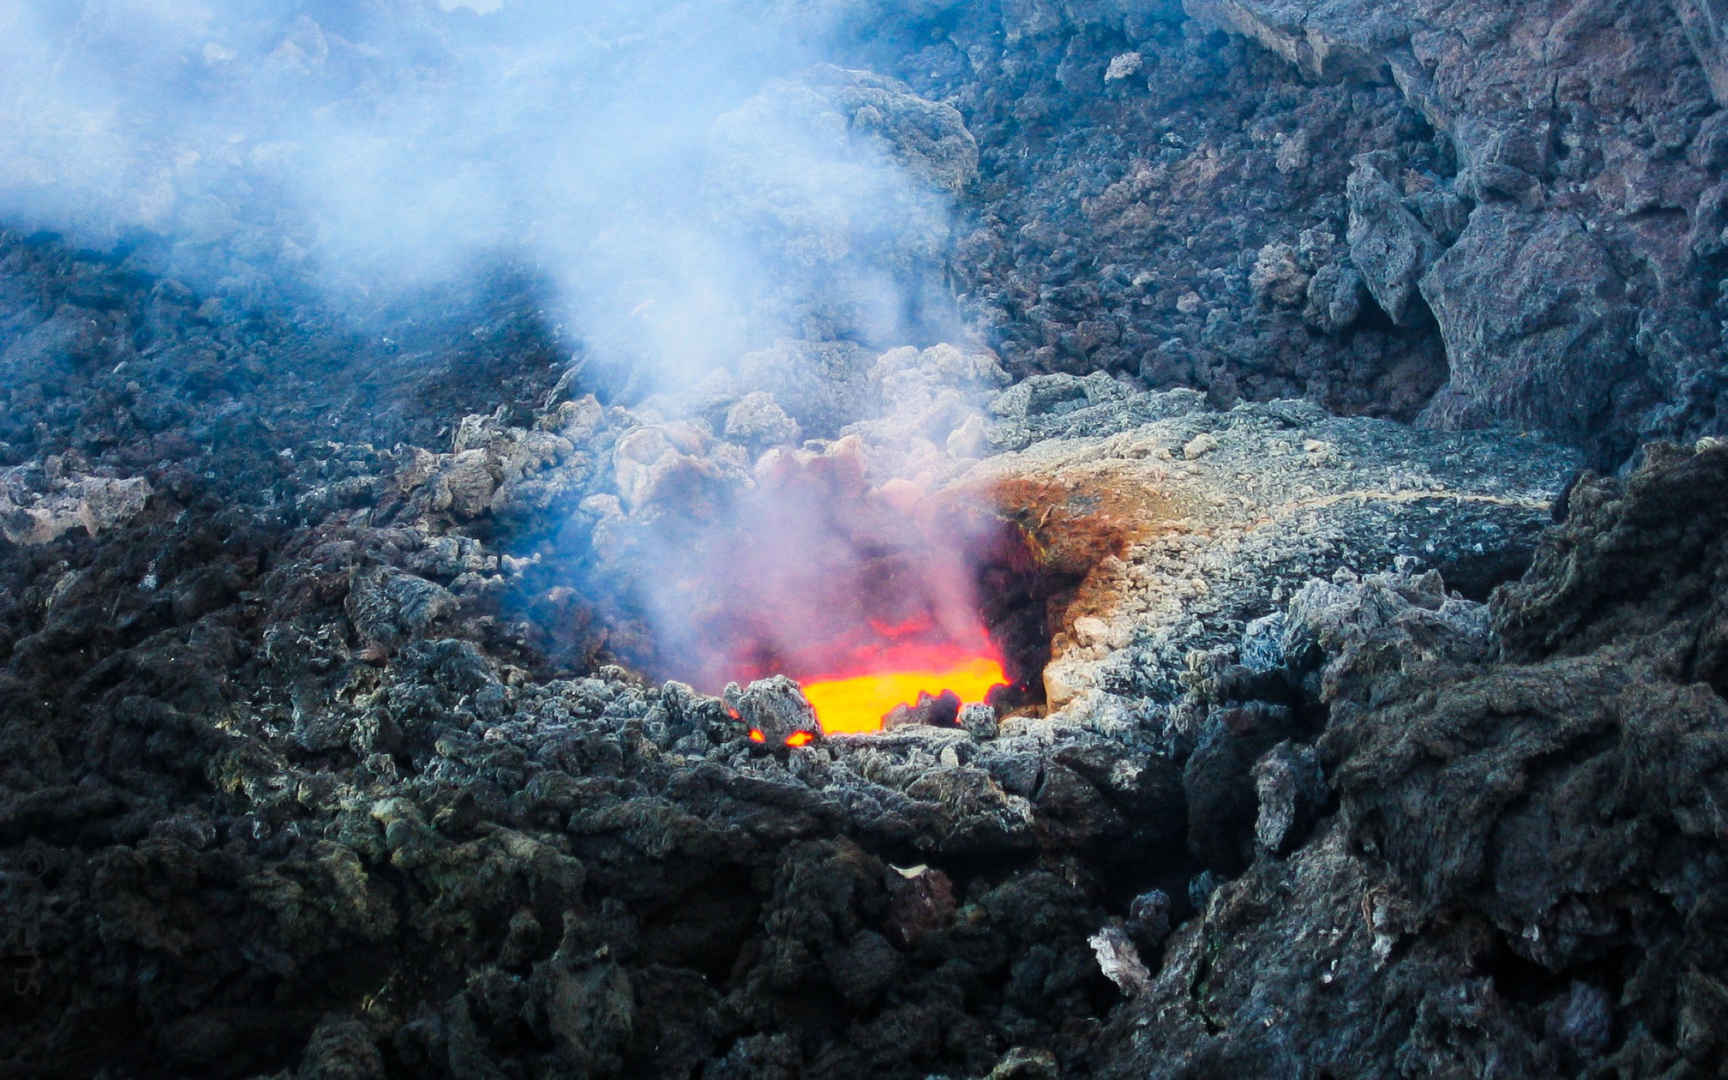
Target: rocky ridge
(327, 720)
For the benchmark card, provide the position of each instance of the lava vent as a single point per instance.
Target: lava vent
(887, 605)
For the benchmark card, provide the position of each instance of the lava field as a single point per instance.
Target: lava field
(1020, 540)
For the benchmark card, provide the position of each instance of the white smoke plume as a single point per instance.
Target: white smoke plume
(668, 165)
(713, 200)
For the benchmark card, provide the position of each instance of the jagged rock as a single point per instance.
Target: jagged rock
(941, 710)
(1388, 245)
(1561, 767)
(1123, 66)
(775, 706)
(921, 901)
(1334, 298)
(338, 699)
(1026, 1063)
(341, 1049)
(1598, 578)
(1141, 531)
(1277, 279)
(388, 606)
(1704, 20)
(1556, 168)
(31, 514)
(979, 721)
(1120, 961)
(1292, 791)
(1536, 322)
(592, 1012)
(1585, 1020)
(1150, 917)
(1332, 41)
(758, 421)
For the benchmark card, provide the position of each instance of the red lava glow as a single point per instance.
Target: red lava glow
(857, 701)
(868, 596)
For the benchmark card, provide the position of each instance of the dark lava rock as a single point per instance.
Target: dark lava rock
(1527, 817)
(1292, 791)
(1561, 302)
(774, 706)
(943, 710)
(315, 759)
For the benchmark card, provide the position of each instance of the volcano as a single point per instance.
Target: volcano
(1013, 540)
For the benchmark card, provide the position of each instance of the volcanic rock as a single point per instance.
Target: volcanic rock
(388, 606)
(758, 421)
(1389, 246)
(1536, 345)
(1120, 961)
(327, 743)
(1292, 791)
(1558, 175)
(776, 707)
(1145, 535)
(34, 514)
(1425, 694)
(979, 720)
(1703, 22)
(941, 710)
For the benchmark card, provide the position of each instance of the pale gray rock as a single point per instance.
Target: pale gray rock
(1388, 244)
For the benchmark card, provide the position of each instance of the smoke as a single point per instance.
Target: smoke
(672, 167)
(711, 197)
(815, 572)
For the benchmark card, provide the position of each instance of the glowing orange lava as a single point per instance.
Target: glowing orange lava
(857, 703)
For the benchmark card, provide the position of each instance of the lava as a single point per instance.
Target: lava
(853, 703)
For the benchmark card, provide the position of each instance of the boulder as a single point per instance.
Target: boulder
(1389, 245)
(1537, 323)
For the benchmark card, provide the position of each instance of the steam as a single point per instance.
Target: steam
(815, 572)
(665, 163)
(703, 187)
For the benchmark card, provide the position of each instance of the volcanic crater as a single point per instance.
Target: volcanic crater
(1005, 540)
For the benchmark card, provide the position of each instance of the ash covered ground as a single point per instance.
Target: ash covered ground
(1328, 392)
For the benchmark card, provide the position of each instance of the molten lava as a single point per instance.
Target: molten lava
(857, 702)
(869, 597)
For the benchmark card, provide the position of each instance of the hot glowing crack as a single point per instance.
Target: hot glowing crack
(850, 704)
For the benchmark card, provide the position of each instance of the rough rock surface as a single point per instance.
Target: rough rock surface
(1526, 817)
(1183, 524)
(1170, 191)
(1364, 749)
(1577, 296)
(328, 773)
(1129, 211)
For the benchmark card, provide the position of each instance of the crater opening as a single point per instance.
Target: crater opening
(889, 604)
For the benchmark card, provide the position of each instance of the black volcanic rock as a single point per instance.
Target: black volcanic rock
(318, 751)
(1572, 300)
(1527, 808)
